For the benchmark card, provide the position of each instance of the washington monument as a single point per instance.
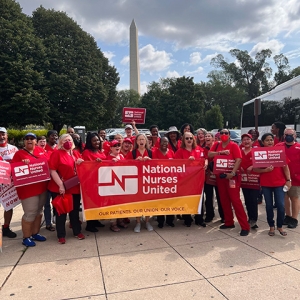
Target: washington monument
(134, 58)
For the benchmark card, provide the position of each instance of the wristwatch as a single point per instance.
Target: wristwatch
(289, 180)
(232, 173)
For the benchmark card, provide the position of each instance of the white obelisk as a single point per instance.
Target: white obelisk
(134, 58)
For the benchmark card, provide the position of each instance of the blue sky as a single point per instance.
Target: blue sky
(179, 38)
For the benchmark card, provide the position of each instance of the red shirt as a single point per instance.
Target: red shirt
(111, 157)
(177, 145)
(274, 178)
(293, 155)
(49, 149)
(182, 153)
(106, 147)
(138, 154)
(234, 149)
(89, 155)
(246, 160)
(157, 154)
(64, 164)
(33, 189)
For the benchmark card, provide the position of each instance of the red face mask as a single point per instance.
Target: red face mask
(67, 145)
(224, 137)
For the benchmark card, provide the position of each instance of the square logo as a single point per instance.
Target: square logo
(221, 163)
(129, 114)
(260, 155)
(119, 180)
(244, 177)
(21, 171)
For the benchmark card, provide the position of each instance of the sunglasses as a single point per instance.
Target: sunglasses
(29, 138)
(117, 145)
(226, 133)
(189, 138)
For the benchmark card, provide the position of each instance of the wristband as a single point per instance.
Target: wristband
(289, 180)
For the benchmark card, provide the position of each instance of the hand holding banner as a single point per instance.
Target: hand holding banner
(5, 171)
(268, 156)
(134, 114)
(223, 164)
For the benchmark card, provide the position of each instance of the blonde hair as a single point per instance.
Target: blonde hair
(120, 136)
(183, 145)
(60, 141)
(135, 146)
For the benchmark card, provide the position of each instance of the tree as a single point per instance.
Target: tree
(247, 73)
(214, 118)
(125, 98)
(79, 78)
(283, 73)
(22, 56)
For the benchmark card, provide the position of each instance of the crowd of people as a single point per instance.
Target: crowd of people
(280, 186)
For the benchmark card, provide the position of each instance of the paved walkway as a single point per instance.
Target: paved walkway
(169, 263)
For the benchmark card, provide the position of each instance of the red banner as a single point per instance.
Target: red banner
(210, 178)
(136, 114)
(223, 164)
(135, 188)
(5, 177)
(268, 156)
(250, 181)
(8, 196)
(33, 172)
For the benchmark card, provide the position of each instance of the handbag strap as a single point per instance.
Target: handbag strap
(30, 153)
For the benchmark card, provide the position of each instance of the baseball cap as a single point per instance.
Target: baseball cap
(128, 140)
(128, 126)
(247, 135)
(3, 129)
(30, 134)
(114, 142)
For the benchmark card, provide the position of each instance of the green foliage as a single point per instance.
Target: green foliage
(214, 118)
(22, 55)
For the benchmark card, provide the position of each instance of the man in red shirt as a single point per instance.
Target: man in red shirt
(292, 196)
(229, 183)
(52, 138)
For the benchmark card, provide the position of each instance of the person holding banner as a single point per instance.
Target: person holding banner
(7, 153)
(272, 181)
(33, 196)
(93, 152)
(62, 165)
(211, 184)
(250, 194)
(141, 152)
(174, 138)
(190, 150)
(129, 128)
(126, 147)
(291, 199)
(229, 182)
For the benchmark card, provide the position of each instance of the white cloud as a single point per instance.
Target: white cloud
(125, 60)
(274, 45)
(143, 87)
(293, 54)
(152, 60)
(199, 70)
(109, 55)
(172, 74)
(195, 58)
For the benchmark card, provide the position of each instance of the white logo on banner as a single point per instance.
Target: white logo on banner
(118, 180)
(21, 171)
(129, 114)
(221, 163)
(260, 155)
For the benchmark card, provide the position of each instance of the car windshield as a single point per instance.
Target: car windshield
(235, 134)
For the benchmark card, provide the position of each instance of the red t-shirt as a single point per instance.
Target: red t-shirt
(246, 160)
(138, 154)
(33, 189)
(89, 155)
(157, 154)
(49, 149)
(182, 153)
(274, 178)
(177, 146)
(111, 157)
(106, 147)
(64, 164)
(233, 147)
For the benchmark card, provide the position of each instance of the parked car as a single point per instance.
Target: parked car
(112, 134)
(235, 135)
(162, 133)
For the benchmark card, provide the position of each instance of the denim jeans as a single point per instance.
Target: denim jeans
(279, 202)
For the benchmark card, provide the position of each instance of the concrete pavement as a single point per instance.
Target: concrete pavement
(169, 263)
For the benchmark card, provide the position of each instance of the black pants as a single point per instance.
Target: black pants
(251, 196)
(73, 215)
(161, 219)
(209, 201)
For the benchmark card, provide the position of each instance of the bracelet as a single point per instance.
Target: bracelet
(289, 180)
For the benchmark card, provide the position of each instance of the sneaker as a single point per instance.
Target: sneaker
(208, 220)
(287, 220)
(38, 237)
(149, 226)
(137, 227)
(252, 223)
(91, 229)
(160, 225)
(293, 223)
(62, 240)
(28, 242)
(80, 236)
(244, 232)
(171, 224)
(7, 232)
(226, 226)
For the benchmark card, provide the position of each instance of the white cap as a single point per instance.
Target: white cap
(3, 129)
(128, 126)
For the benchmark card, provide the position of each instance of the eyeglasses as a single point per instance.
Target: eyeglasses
(189, 138)
(224, 132)
(117, 145)
(29, 138)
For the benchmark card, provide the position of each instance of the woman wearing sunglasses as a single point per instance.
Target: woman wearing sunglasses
(190, 150)
(229, 183)
(33, 195)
